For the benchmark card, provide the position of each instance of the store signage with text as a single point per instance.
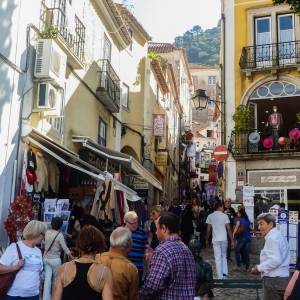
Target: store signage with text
(275, 179)
(158, 125)
(162, 157)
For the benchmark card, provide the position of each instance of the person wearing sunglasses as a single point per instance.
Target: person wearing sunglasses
(155, 213)
(139, 242)
(27, 281)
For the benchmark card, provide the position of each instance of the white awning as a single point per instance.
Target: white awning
(47, 145)
(123, 159)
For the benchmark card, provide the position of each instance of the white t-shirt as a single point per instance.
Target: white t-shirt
(218, 221)
(27, 281)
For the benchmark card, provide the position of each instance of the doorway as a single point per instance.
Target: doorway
(293, 200)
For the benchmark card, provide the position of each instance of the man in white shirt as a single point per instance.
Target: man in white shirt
(274, 259)
(219, 222)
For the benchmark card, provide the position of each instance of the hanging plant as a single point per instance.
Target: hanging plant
(242, 118)
(298, 116)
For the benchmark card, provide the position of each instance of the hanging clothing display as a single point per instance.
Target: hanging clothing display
(31, 161)
(41, 172)
(107, 201)
(53, 174)
(25, 184)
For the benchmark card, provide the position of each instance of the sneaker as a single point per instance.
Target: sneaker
(237, 268)
(229, 259)
(247, 270)
(225, 276)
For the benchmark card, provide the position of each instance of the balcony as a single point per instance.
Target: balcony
(109, 87)
(70, 34)
(270, 56)
(242, 149)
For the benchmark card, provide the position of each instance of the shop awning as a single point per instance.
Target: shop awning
(123, 159)
(64, 155)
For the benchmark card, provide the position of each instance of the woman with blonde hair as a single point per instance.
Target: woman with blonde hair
(155, 213)
(27, 282)
(84, 278)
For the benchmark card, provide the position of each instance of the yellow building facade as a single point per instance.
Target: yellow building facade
(260, 51)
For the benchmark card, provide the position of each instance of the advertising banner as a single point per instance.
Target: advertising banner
(158, 125)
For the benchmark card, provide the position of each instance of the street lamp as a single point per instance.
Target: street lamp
(200, 99)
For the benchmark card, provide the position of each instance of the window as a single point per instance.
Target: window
(157, 93)
(106, 48)
(131, 34)
(196, 81)
(212, 80)
(56, 123)
(125, 95)
(101, 133)
(210, 133)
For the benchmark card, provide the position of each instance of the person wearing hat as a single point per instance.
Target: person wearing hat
(204, 293)
(276, 122)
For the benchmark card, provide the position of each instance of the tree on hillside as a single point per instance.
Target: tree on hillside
(294, 4)
(201, 46)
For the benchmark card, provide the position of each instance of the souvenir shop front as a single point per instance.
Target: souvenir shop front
(53, 179)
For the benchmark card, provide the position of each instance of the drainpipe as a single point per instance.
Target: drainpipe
(222, 66)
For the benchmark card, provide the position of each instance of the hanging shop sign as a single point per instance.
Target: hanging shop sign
(158, 125)
(162, 157)
(191, 151)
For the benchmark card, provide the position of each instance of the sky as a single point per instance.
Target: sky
(166, 19)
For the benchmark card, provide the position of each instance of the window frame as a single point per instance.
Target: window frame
(125, 87)
(101, 125)
(214, 79)
(106, 45)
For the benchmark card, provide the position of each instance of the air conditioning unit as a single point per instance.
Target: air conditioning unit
(50, 62)
(49, 100)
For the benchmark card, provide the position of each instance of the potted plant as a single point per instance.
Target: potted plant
(49, 32)
(242, 118)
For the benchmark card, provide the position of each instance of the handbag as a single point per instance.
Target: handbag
(240, 231)
(7, 279)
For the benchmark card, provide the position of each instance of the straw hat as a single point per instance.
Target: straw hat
(254, 137)
(268, 143)
(282, 140)
(294, 134)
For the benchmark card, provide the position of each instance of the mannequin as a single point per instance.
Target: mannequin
(275, 121)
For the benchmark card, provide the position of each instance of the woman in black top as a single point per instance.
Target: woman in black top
(186, 226)
(85, 278)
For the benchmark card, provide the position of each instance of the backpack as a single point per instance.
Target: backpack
(204, 274)
(201, 220)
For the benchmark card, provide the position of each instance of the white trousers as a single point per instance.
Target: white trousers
(51, 266)
(220, 249)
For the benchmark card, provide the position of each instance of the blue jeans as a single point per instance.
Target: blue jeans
(21, 298)
(242, 245)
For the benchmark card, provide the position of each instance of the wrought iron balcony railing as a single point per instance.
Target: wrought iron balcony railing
(68, 26)
(240, 144)
(270, 55)
(109, 86)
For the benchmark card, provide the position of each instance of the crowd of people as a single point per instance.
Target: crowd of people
(159, 260)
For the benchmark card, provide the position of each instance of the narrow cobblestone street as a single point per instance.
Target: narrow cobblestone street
(233, 294)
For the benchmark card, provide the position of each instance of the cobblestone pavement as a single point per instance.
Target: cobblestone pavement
(233, 294)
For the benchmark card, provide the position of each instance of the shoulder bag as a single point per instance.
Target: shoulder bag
(240, 231)
(50, 245)
(7, 279)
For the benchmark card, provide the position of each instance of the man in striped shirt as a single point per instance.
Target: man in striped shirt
(139, 242)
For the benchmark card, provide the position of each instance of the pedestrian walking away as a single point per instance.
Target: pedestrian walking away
(274, 259)
(230, 212)
(219, 222)
(124, 272)
(244, 241)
